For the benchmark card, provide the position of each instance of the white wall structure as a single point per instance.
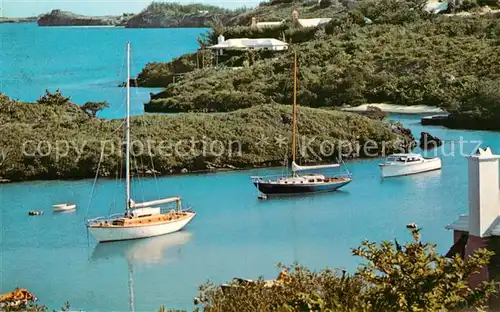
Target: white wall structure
(249, 44)
(484, 195)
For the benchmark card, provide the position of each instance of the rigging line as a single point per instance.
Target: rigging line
(119, 127)
(119, 177)
(122, 67)
(154, 174)
(141, 180)
(95, 181)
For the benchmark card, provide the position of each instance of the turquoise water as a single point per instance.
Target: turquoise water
(86, 63)
(234, 234)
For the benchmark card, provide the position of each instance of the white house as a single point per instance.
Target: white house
(250, 44)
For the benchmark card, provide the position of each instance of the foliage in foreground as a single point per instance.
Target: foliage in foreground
(392, 277)
(56, 139)
(412, 277)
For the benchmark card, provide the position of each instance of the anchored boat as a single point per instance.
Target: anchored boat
(407, 164)
(63, 207)
(303, 183)
(140, 220)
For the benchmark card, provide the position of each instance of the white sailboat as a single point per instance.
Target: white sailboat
(140, 220)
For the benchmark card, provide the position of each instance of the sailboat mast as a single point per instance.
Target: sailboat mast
(127, 131)
(294, 111)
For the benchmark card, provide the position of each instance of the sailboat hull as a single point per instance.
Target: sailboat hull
(272, 188)
(112, 234)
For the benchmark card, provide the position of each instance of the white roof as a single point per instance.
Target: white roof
(246, 43)
(462, 224)
(313, 22)
(268, 24)
(436, 7)
(405, 155)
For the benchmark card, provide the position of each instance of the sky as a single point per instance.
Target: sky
(24, 8)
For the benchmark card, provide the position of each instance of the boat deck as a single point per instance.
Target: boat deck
(143, 220)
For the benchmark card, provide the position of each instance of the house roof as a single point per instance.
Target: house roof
(462, 224)
(313, 22)
(268, 24)
(436, 7)
(246, 43)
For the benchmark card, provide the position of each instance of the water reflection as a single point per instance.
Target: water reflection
(421, 179)
(141, 252)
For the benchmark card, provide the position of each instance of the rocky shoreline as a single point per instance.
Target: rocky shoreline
(64, 18)
(18, 20)
(188, 21)
(145, 19)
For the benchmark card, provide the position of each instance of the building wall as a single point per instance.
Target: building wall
(457, 235)
(473, 243)
(483, 194)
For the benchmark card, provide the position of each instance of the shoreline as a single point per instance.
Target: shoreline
(177, 173)
(397, 109)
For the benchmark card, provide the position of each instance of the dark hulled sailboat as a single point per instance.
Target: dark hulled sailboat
(305, 183)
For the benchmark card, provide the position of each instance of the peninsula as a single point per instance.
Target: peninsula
(64, 18)
(57, 139)
(156, 15)
(15, 20)
(393, 52)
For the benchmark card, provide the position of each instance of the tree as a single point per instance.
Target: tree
(412, 277)
(54, 98)
(92, 108)
(325, 3)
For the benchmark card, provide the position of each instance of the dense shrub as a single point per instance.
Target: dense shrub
(393, 277)
(31, 132)
(430, 62)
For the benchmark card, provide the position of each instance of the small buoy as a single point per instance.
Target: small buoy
(35, 213)
(411, 226)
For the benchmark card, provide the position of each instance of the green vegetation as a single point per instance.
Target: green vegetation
(163, 14)
(177, 9)
(393, 277)
(275, 11)
(405, 56)
(161, 74)
(56, 139)
(92, 108)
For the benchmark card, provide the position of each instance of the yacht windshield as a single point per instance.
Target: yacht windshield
(396, 159)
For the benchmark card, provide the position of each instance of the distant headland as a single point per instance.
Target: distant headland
(64, 18)
(156, 15)
(15, 20)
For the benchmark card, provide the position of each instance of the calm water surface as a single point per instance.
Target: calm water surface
(234, 233)
(86, 63)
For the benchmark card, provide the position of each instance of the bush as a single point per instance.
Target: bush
(430, 62)
(409, 277)
(325, 3)
(31, 123)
